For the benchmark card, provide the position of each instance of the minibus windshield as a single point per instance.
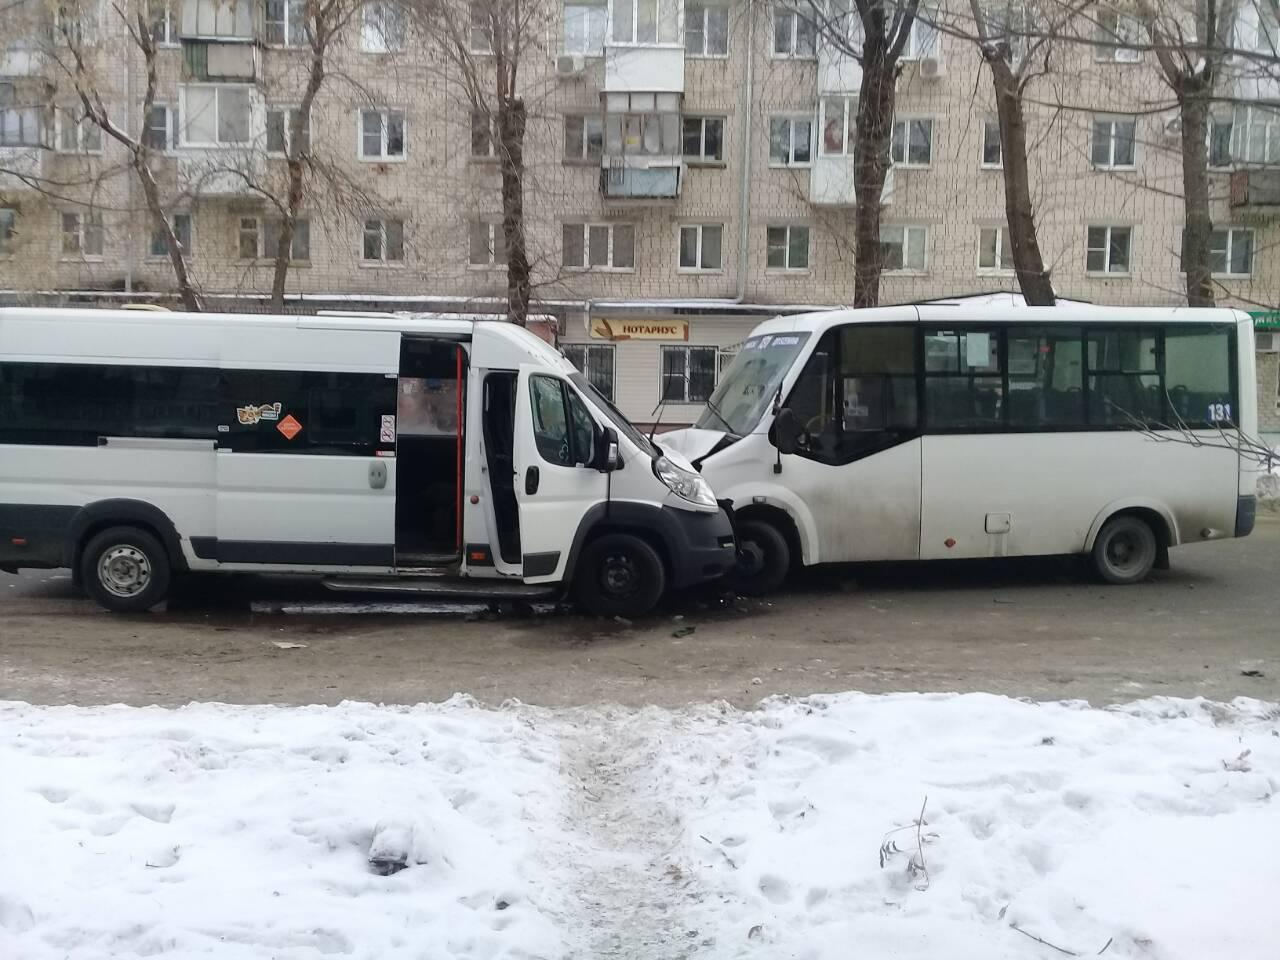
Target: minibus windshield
(749, 384)
(624, 426)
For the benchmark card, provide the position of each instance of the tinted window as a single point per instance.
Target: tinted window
(550, 423)
(1046, 377)
(964, 383)
(1124, 377)
(1198, 375)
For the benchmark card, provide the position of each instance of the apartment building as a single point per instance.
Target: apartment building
(689, 172)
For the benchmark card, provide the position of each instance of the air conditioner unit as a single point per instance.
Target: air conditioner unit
(1172, 127)
(570, 65)
(1266, 342)
(932, 67)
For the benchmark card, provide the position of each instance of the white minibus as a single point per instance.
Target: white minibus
(934, 432)
(439, 455)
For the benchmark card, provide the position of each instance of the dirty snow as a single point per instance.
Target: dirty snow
(790, 831)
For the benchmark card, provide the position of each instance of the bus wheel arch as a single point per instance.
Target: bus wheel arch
(94, 518)
(769, 541)
(1129, 543)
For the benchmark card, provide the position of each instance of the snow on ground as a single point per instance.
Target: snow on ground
(789, 831)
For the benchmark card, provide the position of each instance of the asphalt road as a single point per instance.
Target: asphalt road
(1031, 628)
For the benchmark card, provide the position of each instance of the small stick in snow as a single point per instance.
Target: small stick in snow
(920, 845)
(1105, 946)
(1046, 942)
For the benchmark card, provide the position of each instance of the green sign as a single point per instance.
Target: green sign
(1265, 319)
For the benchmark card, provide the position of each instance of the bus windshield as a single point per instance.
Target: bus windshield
(749, 384)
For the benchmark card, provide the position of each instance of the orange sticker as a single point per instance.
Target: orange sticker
(289, 427)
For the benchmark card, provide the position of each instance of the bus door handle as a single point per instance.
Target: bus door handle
(531, 480)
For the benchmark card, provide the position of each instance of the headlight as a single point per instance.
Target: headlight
(690, 486)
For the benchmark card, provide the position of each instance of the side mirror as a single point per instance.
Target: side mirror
(787, 431)
(608, 456)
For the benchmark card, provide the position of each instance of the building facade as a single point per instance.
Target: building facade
(689, 172)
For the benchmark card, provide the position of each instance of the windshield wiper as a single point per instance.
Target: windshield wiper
(711, 405)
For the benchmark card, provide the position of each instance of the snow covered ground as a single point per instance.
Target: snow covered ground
(1149, 831)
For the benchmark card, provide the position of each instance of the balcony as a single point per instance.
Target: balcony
(1256, 188)
(656, 69)
(219, 171)
(635, 179)
(832, 179)
(837, 72)
(231, 21)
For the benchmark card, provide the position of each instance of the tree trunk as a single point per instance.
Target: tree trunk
(871, 165)
(1020, 219)
(1193, 108)
(160, 221)
(511, 126)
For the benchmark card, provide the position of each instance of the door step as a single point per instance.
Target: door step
(447, 589)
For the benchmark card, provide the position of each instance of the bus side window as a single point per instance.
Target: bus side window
(964, 385)
(1046, 378)
(1197, 375)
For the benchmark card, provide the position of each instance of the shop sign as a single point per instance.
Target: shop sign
(1265, 319)
(617, 328)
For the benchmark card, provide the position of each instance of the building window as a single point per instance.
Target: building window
(912, 144)
(82, 234)
(995, 255)
(285, 22)
(706, 30)
(383, 241)
(1108, 249)
(181, 224)
(642, 124)
(299, 246)
(1115, 36)
(585, 27)
(584, 137)
(163, 22)
(701, 246)
(992, 145)
(787, 247)
(646, 21)
(484, 136)
(282, 122)
(1258, 135)
(790, 141)
(382, 27)
(1113, 142)
(19, 125)
(77, 133)
(688, 374)
(595, 362)
(76, 21)
(248, 238)
(488, 245)
(704, 139)
(1230, 252)
(8, 230)
(921, 42)
(903, 248)
(161, 131)
(1220, 130)
(794, 35)
(839, 119)
(598, 246)
(382, 135)
(219, 18)
(214, 116)
(481, 29)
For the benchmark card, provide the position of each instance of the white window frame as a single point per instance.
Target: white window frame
(584, 120)
(481, 26)
(288, 110)
(8, 231)
(375, 16)
(1230, 232)
(699, 227)
(588, 348)
(795, 17)
(1243, 134)
(385, 114)
(184, 113)
(982, 147)
(584, 47)
(187, 248)
(903, 124)
(494, 236)
(908, 229)
(86, 28)
(490, 123)
(1111, 30)
(242, 231)
(1230, 123)
(586, 266)
(923, 41)
(293, 26)
(1113, 140)
(1106, 270)
(83, 127)
(701, 158)
(849, 120)
(268, 225)
(791, 119)
(163, 13)
(29, 116)
(83, 219)
(382, 260)
(170, 127)
(808, 248)
(672, 7)
(687, 349)
(706, 9)
(1000, 268)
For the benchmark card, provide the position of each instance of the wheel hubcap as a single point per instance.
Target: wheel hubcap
(1124, 551)
(620, 577)
(124, 571)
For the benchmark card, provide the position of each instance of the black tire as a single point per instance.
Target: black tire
(765, 558)
(619, 575)
(125, 569)
(1126, 550)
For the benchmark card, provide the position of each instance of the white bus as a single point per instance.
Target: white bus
(435, 455)
(935, 432)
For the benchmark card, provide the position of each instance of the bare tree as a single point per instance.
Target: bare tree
(487, 42)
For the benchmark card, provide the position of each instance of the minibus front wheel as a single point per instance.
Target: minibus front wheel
(125, 569)
(620, 575)
(764, 558)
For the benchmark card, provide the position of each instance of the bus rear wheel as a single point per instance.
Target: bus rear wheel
(125, 569)
(764, 558)
(620, 575)
(1126, 550)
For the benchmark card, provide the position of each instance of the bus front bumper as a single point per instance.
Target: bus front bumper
(701, 545)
